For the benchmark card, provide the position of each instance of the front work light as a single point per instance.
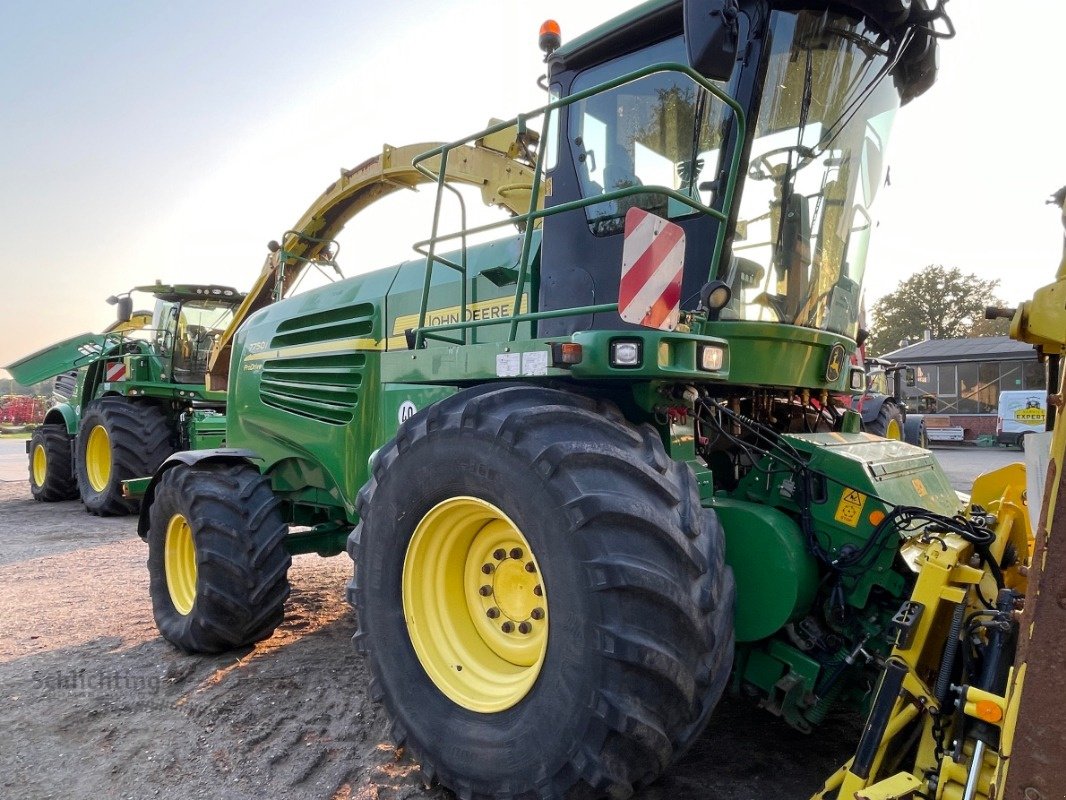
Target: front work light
(711, 357)
(857, 380)
(626, 353)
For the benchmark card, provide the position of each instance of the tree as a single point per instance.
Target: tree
(942, 300)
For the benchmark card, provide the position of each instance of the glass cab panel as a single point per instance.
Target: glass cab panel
(817, 161)
(660, 130)
(186, 332)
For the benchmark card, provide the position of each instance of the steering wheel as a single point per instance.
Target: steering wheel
(761, 169)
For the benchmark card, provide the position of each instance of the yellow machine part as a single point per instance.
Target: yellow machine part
(1031, 714)
(475, 604)
(491, 165)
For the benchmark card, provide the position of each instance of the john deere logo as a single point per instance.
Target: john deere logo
(1031, 415)
(836, 363)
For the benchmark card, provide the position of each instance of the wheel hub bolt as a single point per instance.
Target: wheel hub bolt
(493, 612)
(537, 613)
(524, 627)
(531, 567)
(486, 568)
(516, 552)
(499, 554)
(508, 627)
(485, 591)
(537, 590)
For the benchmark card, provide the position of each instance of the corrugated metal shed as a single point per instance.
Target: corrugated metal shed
(984, 348)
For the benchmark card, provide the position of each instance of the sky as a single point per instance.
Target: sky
(149, 140)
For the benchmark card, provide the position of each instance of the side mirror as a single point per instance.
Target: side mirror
(712, 34)
(125, 307)
(912, 379)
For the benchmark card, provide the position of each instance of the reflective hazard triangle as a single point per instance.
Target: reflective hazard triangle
(653, 257)
(116, 371)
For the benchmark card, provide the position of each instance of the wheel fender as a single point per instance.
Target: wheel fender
(871, 409)
(63, 414)
(189, 458)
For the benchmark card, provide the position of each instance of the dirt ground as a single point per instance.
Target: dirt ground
(96, 705)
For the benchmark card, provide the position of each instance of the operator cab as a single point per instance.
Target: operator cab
(818, 90)
(187, 322)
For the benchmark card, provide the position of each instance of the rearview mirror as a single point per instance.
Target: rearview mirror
(125, 308)
(911, 378)
(711, 36)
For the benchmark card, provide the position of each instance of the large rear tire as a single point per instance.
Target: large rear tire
(118, 440)
(497, 516)
(217, 563)
(51, 473)
(889, 422)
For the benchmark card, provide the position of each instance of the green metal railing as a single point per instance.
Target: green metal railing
(428, 247)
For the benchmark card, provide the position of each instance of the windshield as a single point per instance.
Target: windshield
(817, 161)
(188, 331)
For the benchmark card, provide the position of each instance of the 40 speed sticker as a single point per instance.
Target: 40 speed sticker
(407, 410)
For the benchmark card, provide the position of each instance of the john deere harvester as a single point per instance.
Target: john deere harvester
(127, 398)
(592, 473)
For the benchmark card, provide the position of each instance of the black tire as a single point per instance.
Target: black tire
(889, 423)
(640, 600)
(914, 431)
(139, 439)
(58, 481)
(238, 535)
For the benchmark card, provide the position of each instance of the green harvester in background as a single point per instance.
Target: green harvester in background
(127, 398)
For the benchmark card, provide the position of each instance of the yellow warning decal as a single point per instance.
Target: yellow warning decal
(919, 487)
(849, 510)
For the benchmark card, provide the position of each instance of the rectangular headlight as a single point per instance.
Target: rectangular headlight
(626, 353)
(711, 357)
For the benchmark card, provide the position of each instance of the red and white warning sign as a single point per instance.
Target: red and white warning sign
(116, 371)
(653, 259)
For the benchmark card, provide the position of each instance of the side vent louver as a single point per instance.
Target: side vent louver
(324, 387)
(321, 378)
(346, 322)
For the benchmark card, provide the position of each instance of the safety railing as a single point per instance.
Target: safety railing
(428, 247)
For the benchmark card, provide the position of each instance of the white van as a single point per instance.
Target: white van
(1020, 413)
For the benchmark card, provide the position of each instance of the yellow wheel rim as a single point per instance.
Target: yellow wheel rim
(475, 604)
(98, 458)
(179, 561)
(39, 465)
(892, 430)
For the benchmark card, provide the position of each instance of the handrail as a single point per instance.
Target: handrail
(526, 221)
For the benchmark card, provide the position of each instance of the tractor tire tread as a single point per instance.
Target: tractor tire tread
(59, 481)
(616, 484)
(242, 564)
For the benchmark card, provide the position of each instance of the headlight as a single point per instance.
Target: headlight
(625, 353)
(711, 357)
(857, 380)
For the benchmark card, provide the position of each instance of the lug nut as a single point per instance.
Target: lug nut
(486, 568)
(499, 554)
(537, 613)
(516, 552)
(524, 627)
(485, 591)
(531, 567)
(493, 612)
(537, 590)
(508, 626)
